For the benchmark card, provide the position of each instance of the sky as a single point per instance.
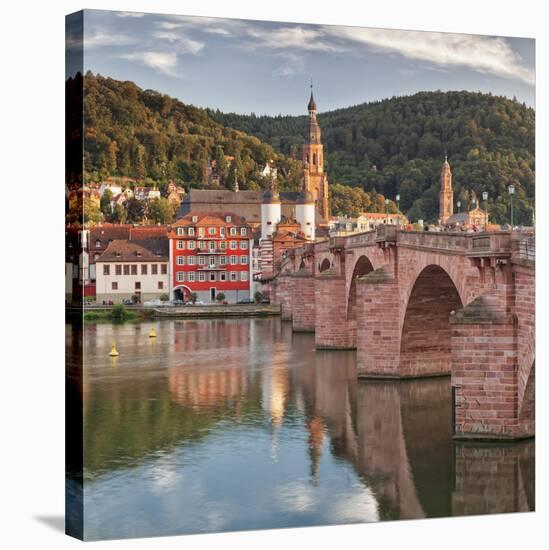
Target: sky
(266, 67)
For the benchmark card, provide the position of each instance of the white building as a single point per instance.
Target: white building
(129, 269)
(114, 188)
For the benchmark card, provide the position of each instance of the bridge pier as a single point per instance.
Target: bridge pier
(331, 324)
(484, 372)
(378, 325)
(282, 287)
(303, 301)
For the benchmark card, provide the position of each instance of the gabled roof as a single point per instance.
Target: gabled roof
(155, 250)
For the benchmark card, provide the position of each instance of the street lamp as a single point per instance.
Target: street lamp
(511, 190)
(485, 199)
(386, 211)
(398, 209)
(459, 206)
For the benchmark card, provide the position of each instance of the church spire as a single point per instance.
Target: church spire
(312, 103)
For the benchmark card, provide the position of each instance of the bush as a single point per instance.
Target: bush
(164, 298)
(220, 297)
(119, 313)
(193, 297)
(258, 296)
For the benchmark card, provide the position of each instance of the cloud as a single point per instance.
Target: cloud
(129, 14)
(484, 54)
(212, 25)
(99, 38)
(164, 62)
(294, 38)
(184, 44)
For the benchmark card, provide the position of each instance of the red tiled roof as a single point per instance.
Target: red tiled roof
(136, 251)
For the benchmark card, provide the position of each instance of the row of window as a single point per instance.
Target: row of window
(201, 276)
(201, 231)
(132, 269)
(210, 260)
(160, 285)
(211, 245)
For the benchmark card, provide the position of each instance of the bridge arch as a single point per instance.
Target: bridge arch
(324, 265)
(362, 266)
(425, 343)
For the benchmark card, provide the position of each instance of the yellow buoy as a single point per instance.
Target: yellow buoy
(114, 352)
(152, 334)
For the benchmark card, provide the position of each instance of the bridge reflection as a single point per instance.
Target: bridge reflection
(398, 437)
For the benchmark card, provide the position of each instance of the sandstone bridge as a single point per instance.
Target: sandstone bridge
(419, 304)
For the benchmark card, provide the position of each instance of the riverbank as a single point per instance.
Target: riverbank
(102, 313)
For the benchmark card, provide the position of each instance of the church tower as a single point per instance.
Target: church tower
(313, 158)
(446, 193)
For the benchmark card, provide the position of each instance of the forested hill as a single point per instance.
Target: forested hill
(398, 146)
(153, 137)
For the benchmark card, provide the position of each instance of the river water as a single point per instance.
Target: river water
(238, 424)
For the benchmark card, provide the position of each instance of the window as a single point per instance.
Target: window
(180, 276)
(195, 219)
(233, 245)
(223, 245)
(244, 245)
(222, 260)
(234, 275)
(180, 231)
(160, 285)
(233, 260)
(212, 261)
(180, 260)
(202, 260)
(95, 257)
(164, 269)
(180, 245)
(134, 269)
(200, 231)
(137, 285)
(191, 245)
(106, 269)
(191, 276)
(144, 269)
(118, 269)
(191, 260)
(212, 245)
(201, 245)
(211, 230)
(243, 231)
(191, 231)
(212, 276)
(97, 243)
(244, 260)
(223, 276)
(201, 276)
(228, 219)
(114, 285)
(126, 269)
(222, 231)
(243, 275)
(154, 269)
(232, 231)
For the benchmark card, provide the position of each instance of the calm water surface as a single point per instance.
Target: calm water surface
(220, 425)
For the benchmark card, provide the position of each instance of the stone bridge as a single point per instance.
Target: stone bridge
(418, 304)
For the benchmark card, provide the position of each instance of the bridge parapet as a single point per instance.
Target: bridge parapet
(454, 242)
(523, 247)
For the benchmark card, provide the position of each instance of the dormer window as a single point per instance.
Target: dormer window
(138, 253)
(243, 231)
(118, 254)
(228, 219)
(191, 230)
(195, 219)
(97, 243)
(180, 231)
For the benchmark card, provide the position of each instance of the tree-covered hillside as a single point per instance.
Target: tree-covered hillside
(147, 135)
(398, 146)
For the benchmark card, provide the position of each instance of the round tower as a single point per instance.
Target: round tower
(271, 209)
(305, 208)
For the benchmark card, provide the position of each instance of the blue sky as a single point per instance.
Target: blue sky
(265, 67)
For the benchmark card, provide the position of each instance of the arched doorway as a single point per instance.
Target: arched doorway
(181, 293)
(425, 345)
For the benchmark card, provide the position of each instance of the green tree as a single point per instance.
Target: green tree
(105, 204)
(134, 210)
(161, 211)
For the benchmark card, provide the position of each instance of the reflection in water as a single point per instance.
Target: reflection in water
(240, 424)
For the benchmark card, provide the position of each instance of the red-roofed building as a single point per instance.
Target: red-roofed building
(211, 253)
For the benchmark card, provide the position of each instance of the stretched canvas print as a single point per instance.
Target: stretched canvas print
(299, 274)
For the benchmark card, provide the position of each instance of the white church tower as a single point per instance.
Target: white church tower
(305, 208)
(271, 208)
